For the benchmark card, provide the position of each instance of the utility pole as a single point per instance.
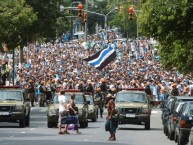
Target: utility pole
(86, 23)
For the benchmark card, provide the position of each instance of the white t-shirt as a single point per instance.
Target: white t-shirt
(62, 100)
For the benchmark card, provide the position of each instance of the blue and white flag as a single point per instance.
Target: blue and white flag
(102, 58)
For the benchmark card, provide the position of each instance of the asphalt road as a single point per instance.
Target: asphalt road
(38, 133)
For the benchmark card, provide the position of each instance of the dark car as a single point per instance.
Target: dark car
(133, 107)
(184, 123)
(14, 105)
(165, 113)
(170, 108)
(81, 104)
(172, 119)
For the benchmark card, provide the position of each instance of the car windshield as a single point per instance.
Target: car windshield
(89, 98)
(78, 98)
(11, 95)
(131, 97)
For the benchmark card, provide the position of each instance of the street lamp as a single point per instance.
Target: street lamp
(116, 8)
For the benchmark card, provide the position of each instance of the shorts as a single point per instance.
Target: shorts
(61, 115)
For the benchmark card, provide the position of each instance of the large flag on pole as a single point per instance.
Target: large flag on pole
(102, 58)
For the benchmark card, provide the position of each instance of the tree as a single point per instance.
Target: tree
(15, 17)
(128, 27)
(99, 7)
(170, 23)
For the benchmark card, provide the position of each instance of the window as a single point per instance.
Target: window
(11, 95)
(131, 97)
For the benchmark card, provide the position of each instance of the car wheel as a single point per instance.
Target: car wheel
(165, 130)
(181, 140)
(175, 137)
(55, 124)
(147, 125)
(82, 124)
(50, 124)
(171, 135)
(27, 120)
(86, 123)
(94, 119)
(22, 123)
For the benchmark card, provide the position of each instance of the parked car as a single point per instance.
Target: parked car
(81, 103)
(133, 107)
(172, 119)
(92, 110)
(165, 113)
(184, 123)
(14, 105)
(170, 108)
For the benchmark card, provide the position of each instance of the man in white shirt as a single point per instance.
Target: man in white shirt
(62, 109)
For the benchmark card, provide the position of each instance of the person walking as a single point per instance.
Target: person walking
(73, 111)
(104, 89)
(98, 100)
(42, 98)
(111, 123)
(62, 111)
(31, 92)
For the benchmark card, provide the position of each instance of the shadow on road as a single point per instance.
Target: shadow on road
(138, 129)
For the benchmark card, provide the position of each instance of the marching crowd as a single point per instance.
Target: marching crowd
(51, 67)
(61, 64)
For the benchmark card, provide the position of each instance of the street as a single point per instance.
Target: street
(38, 133)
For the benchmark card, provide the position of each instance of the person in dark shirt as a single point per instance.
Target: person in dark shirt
(104, 90)
(174, 91)
(89, 87)
(98, 100)
(31, 92)
(149, 93)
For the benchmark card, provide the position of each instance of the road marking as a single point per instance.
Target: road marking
(32, 129)
(22, 132)
(154, 112)
(86, 140)
(12, 136)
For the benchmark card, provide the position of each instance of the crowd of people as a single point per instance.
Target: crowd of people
(51, 67)
(61, 63)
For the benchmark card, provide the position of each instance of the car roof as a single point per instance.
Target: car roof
(11, 88)
(132, 91)
(184, 98)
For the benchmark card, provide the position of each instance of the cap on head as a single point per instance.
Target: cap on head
(42, 83)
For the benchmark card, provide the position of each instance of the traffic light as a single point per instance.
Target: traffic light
(80, 10)
(69, 11)
(131, 13)
(85, 17)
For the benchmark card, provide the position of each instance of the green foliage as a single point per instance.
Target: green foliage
(15, 16)
(170, 23)
(128, 27)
